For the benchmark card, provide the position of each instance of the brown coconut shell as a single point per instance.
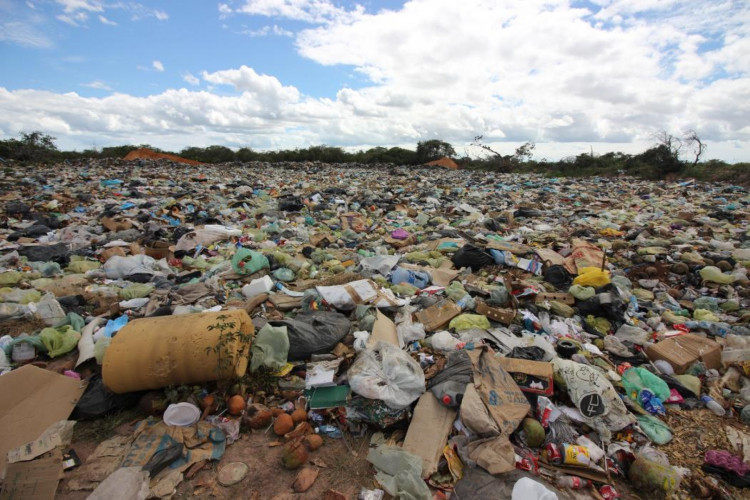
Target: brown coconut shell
(294, 454)
(283, 424)
(313, 441)
(258, 416)
(299, 415)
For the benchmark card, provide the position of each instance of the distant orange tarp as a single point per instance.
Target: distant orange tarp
(443, 162)
(145, 153)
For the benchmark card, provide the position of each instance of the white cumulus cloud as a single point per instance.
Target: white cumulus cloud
(158, 66)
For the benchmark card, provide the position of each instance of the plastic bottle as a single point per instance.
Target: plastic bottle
(712, 405)
(572, 482)
(329, 430)
(651, 403)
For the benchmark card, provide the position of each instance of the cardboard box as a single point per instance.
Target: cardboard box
(534, 377)
(684, 350)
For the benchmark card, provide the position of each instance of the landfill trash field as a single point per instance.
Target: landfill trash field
(304, 330)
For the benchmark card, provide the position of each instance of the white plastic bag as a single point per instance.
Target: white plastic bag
(387, 373)
(444, 342)
(528, 489)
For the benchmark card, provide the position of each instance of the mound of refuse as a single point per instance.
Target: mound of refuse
(494, 335)
(150, 154)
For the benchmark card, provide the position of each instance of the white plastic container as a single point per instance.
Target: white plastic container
(23, 352)
(257, 286)
(182, 414)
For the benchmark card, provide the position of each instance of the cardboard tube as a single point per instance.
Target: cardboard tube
(152, 353)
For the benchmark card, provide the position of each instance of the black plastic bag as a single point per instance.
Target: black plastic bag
(473, 257)
(44, 253)
(530, 353)
(558, 276)
(315, 332)
(98, 401)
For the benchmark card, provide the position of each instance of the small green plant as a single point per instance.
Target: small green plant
(229, 335)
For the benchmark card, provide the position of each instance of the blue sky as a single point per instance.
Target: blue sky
(268, 74)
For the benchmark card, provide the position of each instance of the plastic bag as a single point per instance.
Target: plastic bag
(316, 332)
(59, 341)
(592, 276)
(594, 396)
(714, 274)
(399, 472)
(379, 264)
(246, 261)
(419, 279)
(118, 267)
(633, 334)
(473, 257)
(468, 321)
(98, 401)
(528, 489)
(444, 342)
(656, 430)
(387, 373)
(636, 379)
(206, 236)
(270, 348)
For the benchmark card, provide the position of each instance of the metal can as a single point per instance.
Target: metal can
(575, 455)
(554, 455)
(609, 492)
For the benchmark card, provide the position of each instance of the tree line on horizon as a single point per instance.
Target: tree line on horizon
(670, 155)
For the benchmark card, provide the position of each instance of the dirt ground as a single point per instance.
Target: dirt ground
(342, 468)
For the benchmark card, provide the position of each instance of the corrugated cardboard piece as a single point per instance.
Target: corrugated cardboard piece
(504, 316)
(684, 350)
(33, 399)
(534, 377)
(33, 480)
(439, 315)
(384, 329)
(428, 432)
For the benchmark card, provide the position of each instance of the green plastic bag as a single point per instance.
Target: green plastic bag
(464, 322)
(656, 430)
(270, 348)
(636, 379)
(60, 340)
(246, 261)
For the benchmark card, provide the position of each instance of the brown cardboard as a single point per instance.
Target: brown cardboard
(565, 298)
(504, 316)
(684, 350)
(384, 329)
(428, 432)
(520, 368)
(159, 250)
(439, 315)
(35, 479)
(33, 399)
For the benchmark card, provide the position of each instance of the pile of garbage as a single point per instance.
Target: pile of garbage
(516, 336)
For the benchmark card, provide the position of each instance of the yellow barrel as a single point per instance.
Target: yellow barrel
(152, 353)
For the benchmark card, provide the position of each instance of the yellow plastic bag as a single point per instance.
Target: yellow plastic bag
(592, 276)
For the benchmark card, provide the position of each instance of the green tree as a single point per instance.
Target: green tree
(433, 149)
